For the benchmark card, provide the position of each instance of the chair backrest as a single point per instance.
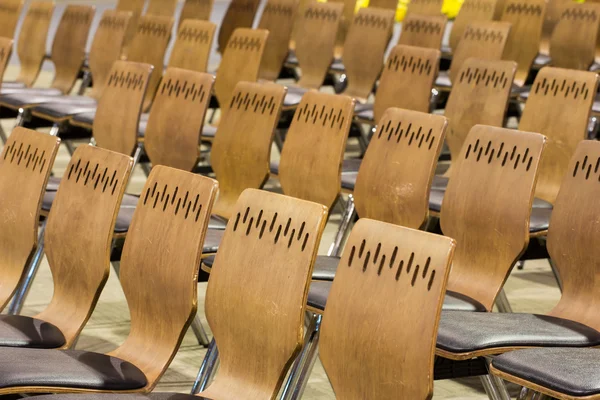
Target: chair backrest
(171, 219)
(483, 40)
(6, 45)
(526, 18)
(573, 237)
(196, 9)
(192, 47)
(79, 234)
(311, 159)
(10, 12)
(345, 23)
(471, 11)
(149, 46)
(119, 109)
(487, 206)
(554, 10)
(364, 50)
(479, 96)
(386, 4)
(239, 14)
(176, 119)
(408, 76)
(315, 42)
(392, 279)
(241, 62)
(241, 150)
(107, 47)
(258, 336)
(68, 48)
(425, 7)
(394, 178)
(25, 165)
(31, 45)
(559, 107)
(136, 7)
(570, 45)
(163, 8)
(423, 31)
(278, 18)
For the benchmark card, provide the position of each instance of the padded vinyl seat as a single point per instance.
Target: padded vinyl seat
(67, 368)
(66, 106)
(541, 61)
(22, 331)
(337, 66)
(364, 111)
(12, 85)
(6, 91)
(463, 332)
(294, 96)
(53, 183)
(117, 396)
(85, 117)
(30, 96)
(570, 371)
(443, 80)
(291, 59)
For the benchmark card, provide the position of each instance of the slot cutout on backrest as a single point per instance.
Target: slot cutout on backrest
(239, 14)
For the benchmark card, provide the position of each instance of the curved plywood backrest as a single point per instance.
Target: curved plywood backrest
(25, 165)
(165, 242)
(79, 235)
(273, 238)
(345, 23)
(478, 97)
(119, 108)
(196, 9)
(471, 11)
(192, 47)
(316, 40)
(241, 62)
(570, 46)
(385, 4)
(10, 12)
(107, 47)
(395, 176)
(163, 8)
(6, 45)
(425, 7)
(149, 46)
(554, 9)
(278, 18)
(526, 18)
(241, 150)
(68, 49)
(483, 40)
(177, 117)
(31, 45)
(136, 7)
(573, 237)
(311, 160)
(364, 50)
(487, 206)
(407, 79)
(423, 31)
(392, 279)
(559, 107)
(239, 14)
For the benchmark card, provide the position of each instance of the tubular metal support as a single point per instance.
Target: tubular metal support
(55, 130)
(524, 394)
(343, 229)
(488, 386)
(502, 302)
(3, 134)
(85, 82)
(497, 384)
(200, 332)
(137, 154)
(207, 369)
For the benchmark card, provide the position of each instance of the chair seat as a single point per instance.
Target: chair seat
(28, 97)
(274, 168)
(351, 165)
(209, 131)
(349, 180)
(443, 80)
(325, 267)
(541, 60)
(143, 124)
(66, 106)
(293, 96)
(22, 331)
(12, 85)
(459, 302)
(86, 118)
(337, 66)
(67, 369)
(121, 396)
(291, 59)
(570, 371)
(6, 91)
(53, 183)
(212, 240)
(364, 112)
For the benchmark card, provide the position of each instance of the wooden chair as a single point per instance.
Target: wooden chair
(425, 7)
(192, 47)
(471, 11)
(423, 31)
(554, 10)
(239, 14)
(523, 44)
(10, 12)
(403, 274)
(386, 4)
(6, 45)
(406, 82)
(171, 219)
(162, 8)
(196, 9)
(135, 7)
(559, 107)
(278, 18)
(25, 165)
(345, 23)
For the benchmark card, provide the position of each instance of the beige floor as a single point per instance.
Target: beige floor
(530, 290)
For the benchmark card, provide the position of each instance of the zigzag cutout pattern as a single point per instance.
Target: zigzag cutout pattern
(484, 76)
(318, 13)
(483, 34)
(77, 17)
(485, 6)
(94, 175)
(196, 35)
(489, 154)
(405, 272)
(411, 64)
(576, 13)
(243, 7)
(153, 29)
(278, 9)
(32, 157)
(420, 26)
(115, 23)
(245, 43)
(187, 91)
(523, 8)
(412, 134)
(288, 234)
(254, 102)
(585, 166)
(319, 113)
(39, 14)
(126, 78)
(372, 21)
(187, 205)
(5, 8)
(554, 87)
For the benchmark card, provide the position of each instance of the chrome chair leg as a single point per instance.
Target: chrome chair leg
(55, 130)
(524, 394)
(3, 134)
(343, 229)
(207, 369)
(69, 145)
(502, 302)
(200, 332)
(498, 388)
(539, 396)
(85, 82)
(31, 269)
(137, 154)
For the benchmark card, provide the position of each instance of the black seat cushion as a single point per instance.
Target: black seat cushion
(436, 197)
(122, 396)
(7, 91)
(30, 96)
(291, 59)
(364, 111)
(212, 240)
(337, 66)
(66, 106)
(209, 131)
(349, 180)
(53, 183)
(459, 302)
(325, 267)
(443, 80)
(274, 167)
(67, 368)
(351, 165)
(12, 85)
(541, 60)
(570, 371)
(462, 332)
(293, 96)
(22, 331)
(85, 118)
